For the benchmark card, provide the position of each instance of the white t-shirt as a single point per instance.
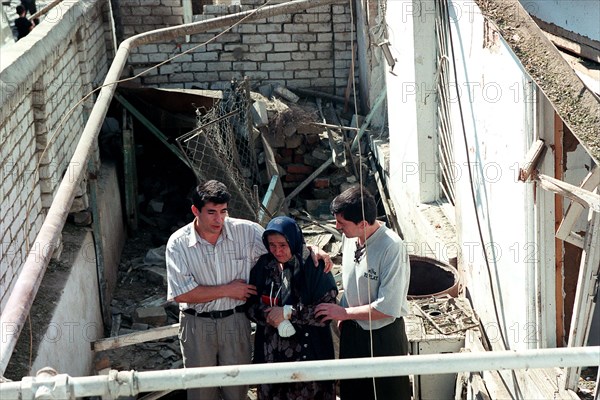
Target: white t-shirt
(380, 277)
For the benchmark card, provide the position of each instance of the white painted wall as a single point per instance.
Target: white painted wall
(500, 123)
(411, 117)
(76, 321)
(579, 16)
(499, 126)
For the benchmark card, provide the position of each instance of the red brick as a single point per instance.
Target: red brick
(299, 158)
(294, 178)
(287, 152)
(321, 183)
(299, 169)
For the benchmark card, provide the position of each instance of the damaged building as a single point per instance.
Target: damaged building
(476, 123)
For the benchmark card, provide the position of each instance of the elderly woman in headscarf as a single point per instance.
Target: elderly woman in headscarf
(289, 286)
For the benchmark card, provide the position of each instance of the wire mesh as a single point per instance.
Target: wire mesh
(221, 147)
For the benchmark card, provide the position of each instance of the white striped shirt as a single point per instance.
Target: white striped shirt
(193, 261)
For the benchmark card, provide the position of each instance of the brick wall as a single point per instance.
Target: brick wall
(139, 16)
(42, 77)
(309, 49)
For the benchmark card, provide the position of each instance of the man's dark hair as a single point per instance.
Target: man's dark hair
(350, 206)
(210, 192)
(20, 10)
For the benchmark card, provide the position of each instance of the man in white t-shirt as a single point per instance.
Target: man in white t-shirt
(376, 275)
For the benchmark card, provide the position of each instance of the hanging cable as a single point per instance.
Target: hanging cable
(473, 197)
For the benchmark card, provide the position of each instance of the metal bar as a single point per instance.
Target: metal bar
(130, 173)
(301, 186)
(367, 122)
(21, 298)
(130, 383)
(340, 127)
(153, 129)
(267, 199)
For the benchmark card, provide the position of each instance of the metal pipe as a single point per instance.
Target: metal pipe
(130, 383)
(19, 303)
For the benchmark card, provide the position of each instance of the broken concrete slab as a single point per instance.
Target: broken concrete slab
(286, 94)
(259, 114)
(156, 275)
(154, 316)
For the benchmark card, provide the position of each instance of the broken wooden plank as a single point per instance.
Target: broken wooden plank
(532, 158)
(316, 93)
(341, 127)
(575, 193)
(135, 338)
(318, 240)
(565, 230)
(389, 211)
(324, 226)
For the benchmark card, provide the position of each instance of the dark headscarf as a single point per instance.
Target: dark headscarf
(290, 230)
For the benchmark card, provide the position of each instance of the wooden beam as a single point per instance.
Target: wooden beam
(565, 230)
(532, 158)
(135, 338)
(575, 193)
(559, 250)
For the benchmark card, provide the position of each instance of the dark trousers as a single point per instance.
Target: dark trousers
(30, 7)
(387, 341)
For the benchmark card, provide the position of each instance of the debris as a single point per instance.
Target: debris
(259, 114)
(82, 218)
(156, 206)
(137, 326)
(286, 94)
(155, 316)
(167, 353)
(156, 256)
(155, 274)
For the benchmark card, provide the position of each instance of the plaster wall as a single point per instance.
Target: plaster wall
(65, 315)
(411, 118)
(499, 122)
(112, 227)
(76, 321)
(42, 77)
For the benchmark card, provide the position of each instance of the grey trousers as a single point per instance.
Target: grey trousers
(207, 342)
